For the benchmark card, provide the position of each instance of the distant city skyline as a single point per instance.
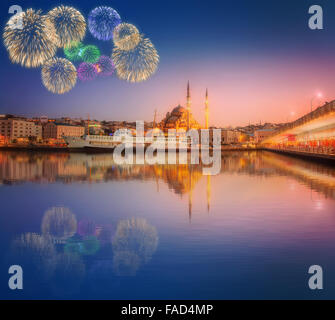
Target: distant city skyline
(259, 63)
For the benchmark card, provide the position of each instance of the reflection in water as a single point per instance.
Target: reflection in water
(33, 252)
(59, 222)
(61, 264)
(86, 227)
(273, 207)
(33, 248)
(66, 273)
(134, 244)
(17, 167)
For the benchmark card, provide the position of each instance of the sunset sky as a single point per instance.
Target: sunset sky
(259, 60)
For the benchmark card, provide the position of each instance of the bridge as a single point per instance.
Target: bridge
(312, 135)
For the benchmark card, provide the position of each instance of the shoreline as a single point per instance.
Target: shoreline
(315, 157)
(321, 158)
(98, 150)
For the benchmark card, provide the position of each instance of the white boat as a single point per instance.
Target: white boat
(110, 142)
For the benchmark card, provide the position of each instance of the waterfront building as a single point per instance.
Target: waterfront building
(14, 128)
(260, 135)
(56, 130)
(180, 118)
(230, 136)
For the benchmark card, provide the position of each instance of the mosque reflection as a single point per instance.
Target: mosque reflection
(61, 254)
(19, 167)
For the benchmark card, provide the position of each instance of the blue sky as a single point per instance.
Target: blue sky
(258, 58)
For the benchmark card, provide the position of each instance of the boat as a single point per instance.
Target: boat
(103, 142)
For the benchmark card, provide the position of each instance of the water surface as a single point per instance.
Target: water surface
(83, 227)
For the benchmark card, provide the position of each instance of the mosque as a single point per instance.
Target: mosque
(181, 118)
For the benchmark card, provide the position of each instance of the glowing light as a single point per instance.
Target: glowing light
(138, 64)
(69, 23)
(87, 71)
(105, 66)
(90, 54)
(102, 21)
(73, 51)
(35, 43)
(59, 75)
(126, 36)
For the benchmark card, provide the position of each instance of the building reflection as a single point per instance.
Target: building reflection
(19, 167)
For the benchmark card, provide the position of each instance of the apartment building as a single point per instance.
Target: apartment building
(55, 130)
(13, 128)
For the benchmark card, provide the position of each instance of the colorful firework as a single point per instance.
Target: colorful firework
(73, 51)
(69, 23)
(138, 64)
(59, 75)
(126, 36)
(102, 21)
(90, 54)
(105, 66)
(32, 44)
(87, 71)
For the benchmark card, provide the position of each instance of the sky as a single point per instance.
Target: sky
(258, 59)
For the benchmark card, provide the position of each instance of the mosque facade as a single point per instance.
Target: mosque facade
(181, 118)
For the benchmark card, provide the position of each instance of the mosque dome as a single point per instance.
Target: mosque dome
(178, 110)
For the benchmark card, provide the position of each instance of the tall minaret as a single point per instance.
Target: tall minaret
(206, 109)
(188, 105)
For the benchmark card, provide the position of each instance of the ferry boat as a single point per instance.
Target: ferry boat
(100, 142)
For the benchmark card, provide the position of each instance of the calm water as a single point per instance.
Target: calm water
(83, 227)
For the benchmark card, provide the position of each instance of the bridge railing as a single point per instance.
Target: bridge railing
(325, 150)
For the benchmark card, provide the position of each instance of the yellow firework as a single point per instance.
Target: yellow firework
(126, 36)
(69, 23)
(33, 42)
(59, 75)
(138, 64)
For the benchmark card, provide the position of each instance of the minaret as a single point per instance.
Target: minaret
(188, 105)
(206, 109)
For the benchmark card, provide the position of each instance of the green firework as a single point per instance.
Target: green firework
(73, 52)
(90, 54)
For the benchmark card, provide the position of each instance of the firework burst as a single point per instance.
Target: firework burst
(69, 23)
(102, 21)
(90, 54)
(138, 64)
(32, 44)
(59, 75)
(87, 71)
(105, 66)
(126, 36)
(73, 51)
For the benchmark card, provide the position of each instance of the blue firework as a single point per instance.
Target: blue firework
(102, 21)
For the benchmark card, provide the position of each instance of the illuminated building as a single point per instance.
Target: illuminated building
(13, 128)
(262, 134)
(180, 118)
(54, 130)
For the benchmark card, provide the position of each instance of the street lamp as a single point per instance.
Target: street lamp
(318, 95)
